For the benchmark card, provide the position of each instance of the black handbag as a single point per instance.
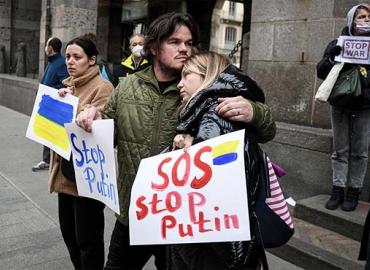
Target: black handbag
(275, 232)
(68, 170)
(346, 89)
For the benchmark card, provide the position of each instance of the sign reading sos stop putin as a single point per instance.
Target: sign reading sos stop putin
(194, 196)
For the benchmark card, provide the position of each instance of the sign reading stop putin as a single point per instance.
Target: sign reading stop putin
(192, 197)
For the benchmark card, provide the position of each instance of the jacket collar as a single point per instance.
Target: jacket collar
(129, 62)
(78, 82)
(53, 57)
(147, 75)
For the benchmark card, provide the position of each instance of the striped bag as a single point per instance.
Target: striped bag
(275, 222)
(276, 201)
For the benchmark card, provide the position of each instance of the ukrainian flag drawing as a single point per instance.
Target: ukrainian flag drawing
(225, 152)
(50, 119)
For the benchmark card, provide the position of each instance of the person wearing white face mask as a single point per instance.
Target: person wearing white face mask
(350, 122)
(135, 61)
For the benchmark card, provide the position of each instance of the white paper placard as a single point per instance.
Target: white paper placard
(194, 196)
(355, 49)
(94, 162)
(50, 113)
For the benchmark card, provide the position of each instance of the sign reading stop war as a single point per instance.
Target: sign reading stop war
(355, 50)
(189, 197)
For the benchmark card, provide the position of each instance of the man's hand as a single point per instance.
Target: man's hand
(235, 109)
(86, 117)
(182, 141)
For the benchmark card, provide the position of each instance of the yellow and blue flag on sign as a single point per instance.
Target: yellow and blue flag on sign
(50, 119)
(225, 152)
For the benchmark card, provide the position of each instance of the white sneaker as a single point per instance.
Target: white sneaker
(42, 165)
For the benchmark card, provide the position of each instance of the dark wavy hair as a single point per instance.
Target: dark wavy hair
(164, 26)
(86, 44)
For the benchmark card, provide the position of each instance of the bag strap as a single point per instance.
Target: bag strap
(323, 92)
(266, 179)
(265, 171)
(261, 246)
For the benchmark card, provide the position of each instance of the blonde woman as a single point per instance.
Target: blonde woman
(205, 78)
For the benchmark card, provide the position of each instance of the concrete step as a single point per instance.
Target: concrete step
(349, 224)
(314, 247)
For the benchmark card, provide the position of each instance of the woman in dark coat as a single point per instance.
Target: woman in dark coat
(350, 122)
(205, 78)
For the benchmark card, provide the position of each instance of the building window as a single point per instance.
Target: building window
(232, 8)
(230, 37)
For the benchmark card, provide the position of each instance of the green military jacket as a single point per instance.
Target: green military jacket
(145, 121)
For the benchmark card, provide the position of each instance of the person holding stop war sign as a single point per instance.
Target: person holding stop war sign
(350, 120)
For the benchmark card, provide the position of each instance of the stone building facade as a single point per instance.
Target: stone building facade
(287, 39)
(20, 22)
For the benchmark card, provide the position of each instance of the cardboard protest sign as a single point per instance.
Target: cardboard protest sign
(194, 196)
(355, 49)
(50, 113)
(94, 162)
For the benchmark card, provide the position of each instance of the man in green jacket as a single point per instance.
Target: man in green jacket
(145, 108)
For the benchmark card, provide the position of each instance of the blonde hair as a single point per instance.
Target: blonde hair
(208, 65)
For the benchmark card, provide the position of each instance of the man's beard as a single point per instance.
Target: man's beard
(170, 71)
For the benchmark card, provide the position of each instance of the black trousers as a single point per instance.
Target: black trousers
(82, 225)
(203, 256)
(46, 154)
(122, 256)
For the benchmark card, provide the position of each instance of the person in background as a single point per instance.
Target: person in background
(55, 73)
(145, 107)
(81, 219)
(104, 69)
(350, 123)
(205, 78)
(135, 61)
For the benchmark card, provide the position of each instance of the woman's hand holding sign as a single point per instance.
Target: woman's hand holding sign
(335, 51)
(182, 141)
(64, 91)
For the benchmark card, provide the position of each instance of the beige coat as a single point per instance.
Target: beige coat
(91, 89)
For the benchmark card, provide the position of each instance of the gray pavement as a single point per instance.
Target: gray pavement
(29, 230)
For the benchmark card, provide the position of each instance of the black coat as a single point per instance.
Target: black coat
(200, 120)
